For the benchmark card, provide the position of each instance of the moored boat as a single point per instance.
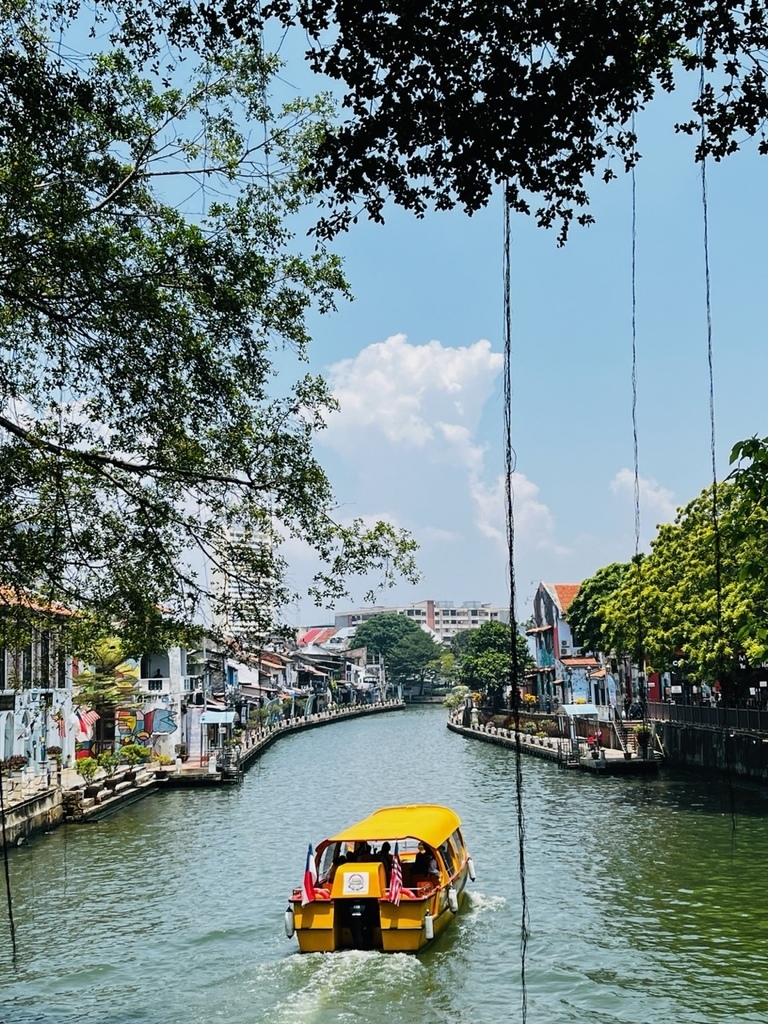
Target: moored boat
(392, 882)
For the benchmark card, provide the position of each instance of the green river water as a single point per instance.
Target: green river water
(647, 897)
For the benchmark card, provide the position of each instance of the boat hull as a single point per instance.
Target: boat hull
(392, 882)
(323, 926)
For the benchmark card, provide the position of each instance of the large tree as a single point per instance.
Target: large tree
(414, 659)
(148, 277)
(487, 661)
(444, 99)
(408, 651)
(689, 601)
(586, 613)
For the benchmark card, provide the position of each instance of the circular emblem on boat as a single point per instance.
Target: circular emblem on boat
(356, 883)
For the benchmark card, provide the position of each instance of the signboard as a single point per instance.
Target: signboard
(355, 884)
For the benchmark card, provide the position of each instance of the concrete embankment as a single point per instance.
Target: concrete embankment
(559, 751)
(42, 803)
(737, 754)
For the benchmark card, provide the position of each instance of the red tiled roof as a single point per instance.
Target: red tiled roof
(316, 635)
(15, 598)
(579, 662)
(566, 593)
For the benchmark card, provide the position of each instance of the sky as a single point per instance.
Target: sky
(416, 363)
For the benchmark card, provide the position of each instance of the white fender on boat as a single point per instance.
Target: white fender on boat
(471, 868)
(429, 927)
(453, 900)
(290, 924)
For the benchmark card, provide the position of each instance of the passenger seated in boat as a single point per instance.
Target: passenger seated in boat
(421, 861)
(362, 853)
(425, 867)
(385, 856)
(339, 857)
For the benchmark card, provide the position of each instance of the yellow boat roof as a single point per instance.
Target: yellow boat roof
(429, 822)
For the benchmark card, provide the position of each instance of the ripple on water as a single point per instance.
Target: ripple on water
(640, 908)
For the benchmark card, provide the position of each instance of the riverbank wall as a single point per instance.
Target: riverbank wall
(739, 755)
(64, 799)
(731, 753)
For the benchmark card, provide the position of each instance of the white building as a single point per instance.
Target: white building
(241, 588)
(444, 618)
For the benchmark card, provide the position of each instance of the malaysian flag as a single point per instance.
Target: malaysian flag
(396, 880)
(87, 719)
(310, 877)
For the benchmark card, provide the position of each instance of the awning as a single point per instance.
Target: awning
(579, 709)
(217, 717)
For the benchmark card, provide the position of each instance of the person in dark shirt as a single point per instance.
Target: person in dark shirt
(385, 856)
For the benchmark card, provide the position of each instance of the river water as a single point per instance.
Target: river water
(646, 897)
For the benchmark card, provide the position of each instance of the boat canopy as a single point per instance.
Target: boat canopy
(430, 823)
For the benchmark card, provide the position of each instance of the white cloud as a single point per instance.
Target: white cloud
(657, 503)
(437, 535)
(534, 523)
(426, 401)
(418, 395)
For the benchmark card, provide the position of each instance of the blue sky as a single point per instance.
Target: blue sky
(416, 363)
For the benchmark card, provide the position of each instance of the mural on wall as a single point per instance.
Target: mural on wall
(136, 726)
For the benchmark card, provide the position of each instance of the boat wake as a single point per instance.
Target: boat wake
(483, 903)
(338, 986)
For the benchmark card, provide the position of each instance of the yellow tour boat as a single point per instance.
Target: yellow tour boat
(391, 882)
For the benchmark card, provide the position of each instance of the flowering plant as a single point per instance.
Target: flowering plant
(14, 763)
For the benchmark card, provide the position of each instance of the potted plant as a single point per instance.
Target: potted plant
(161, 764)
(643, 737)
(181, 751)
(55, 753)
(14, 763)
(133, 754)
(87, 767)
(110, 762)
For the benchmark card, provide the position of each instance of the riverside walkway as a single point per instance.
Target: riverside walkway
(558, 751)
(37, 802)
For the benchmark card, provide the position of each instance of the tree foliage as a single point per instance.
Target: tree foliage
(413, 658)
(382, 633)
(408, 651)
(586, 612)
(689, 603)
(444, 98)
(148, 277)
(486, 663)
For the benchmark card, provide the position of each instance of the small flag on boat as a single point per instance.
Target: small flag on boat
(396, 879)
(310, 877)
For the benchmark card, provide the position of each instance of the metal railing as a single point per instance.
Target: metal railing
(715, 716)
